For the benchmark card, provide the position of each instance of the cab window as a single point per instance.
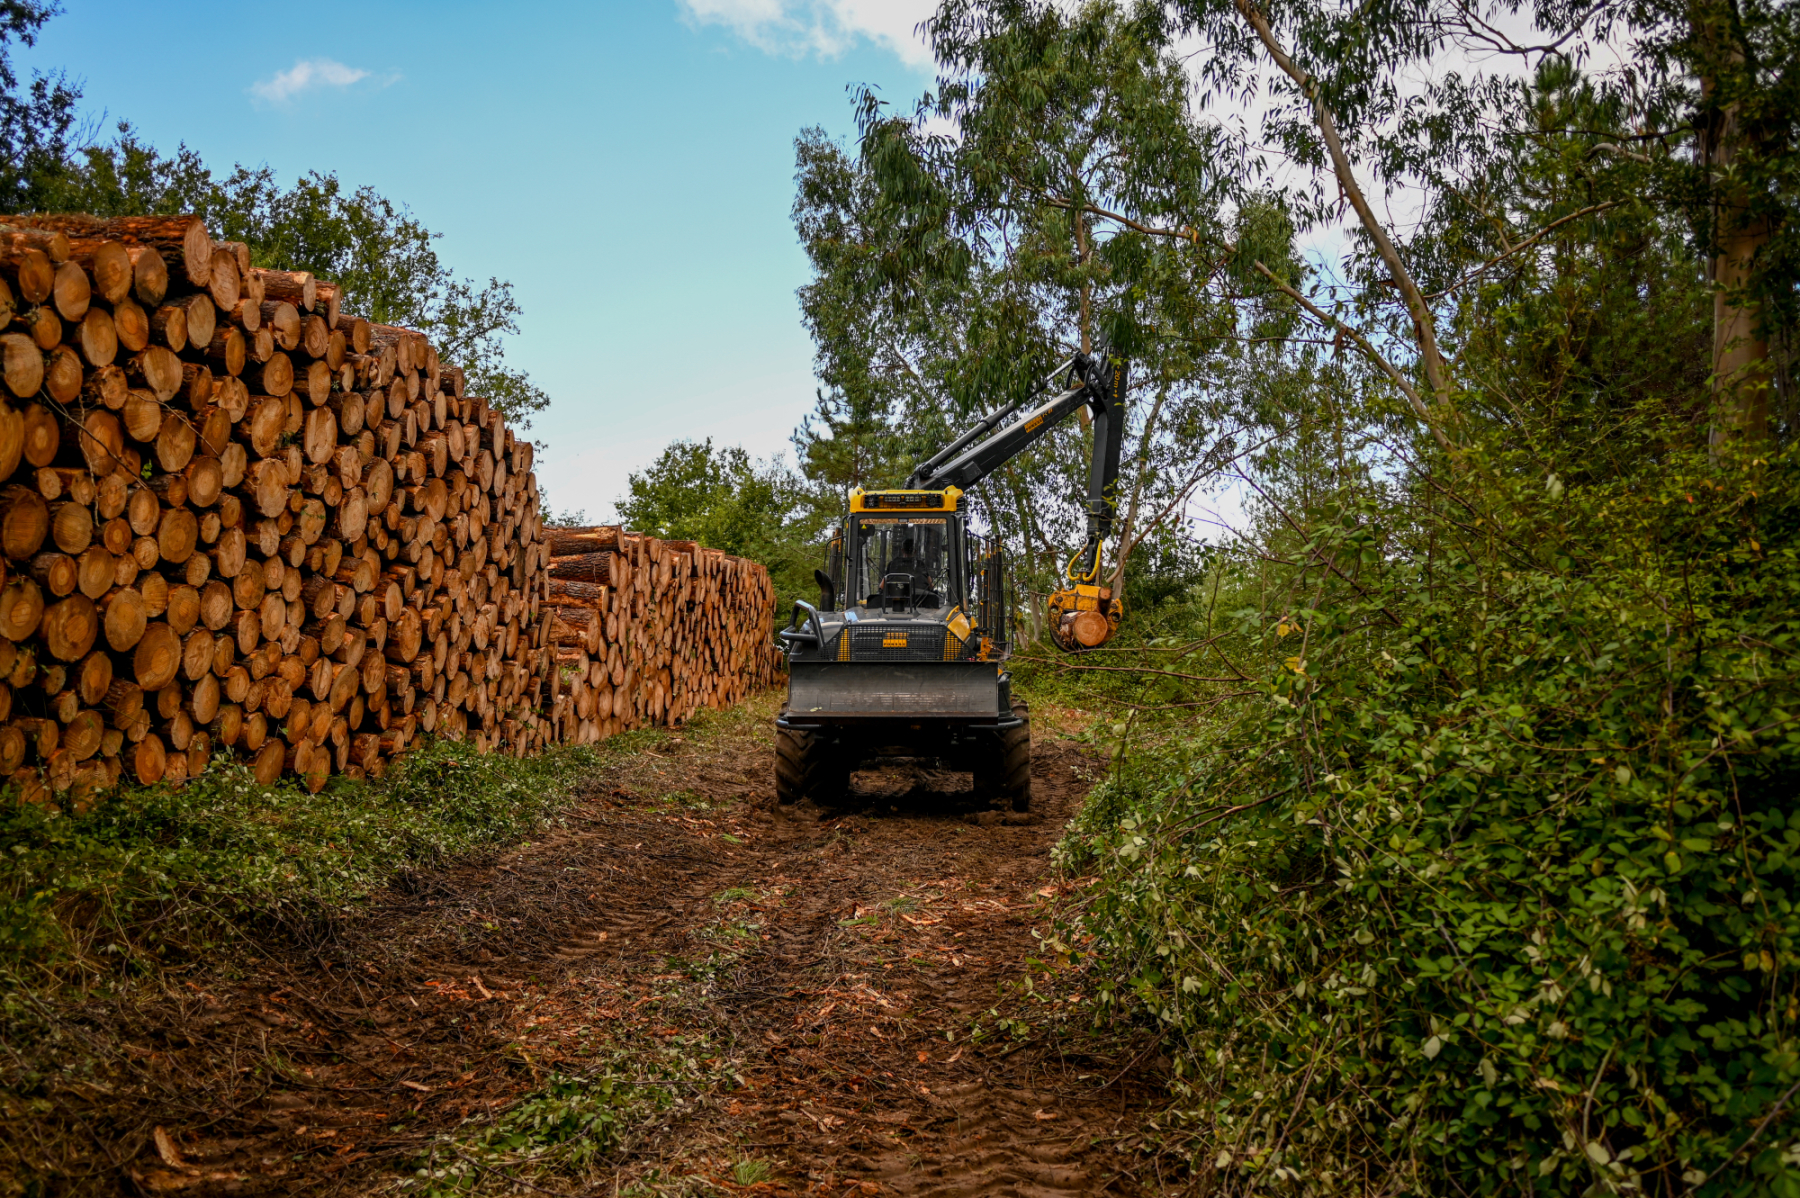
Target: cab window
(915, 550)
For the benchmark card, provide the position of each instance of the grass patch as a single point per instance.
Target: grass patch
(569, 1128)
(749, 1173)
(158, 873)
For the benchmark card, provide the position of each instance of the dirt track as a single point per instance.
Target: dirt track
(808, 980)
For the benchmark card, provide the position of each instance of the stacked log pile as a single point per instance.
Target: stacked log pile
(235, 516)
(650, 631)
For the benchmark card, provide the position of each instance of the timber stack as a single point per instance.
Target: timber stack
(234, 515)
(652, 630)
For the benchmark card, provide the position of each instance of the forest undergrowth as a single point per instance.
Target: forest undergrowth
(1450, 839)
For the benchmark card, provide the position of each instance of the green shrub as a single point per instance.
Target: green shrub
(158, 870)
(1491, 889)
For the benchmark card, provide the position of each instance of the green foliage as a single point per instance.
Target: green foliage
(568, 1127)
(724, 500)
(1490, 888)
(38, 121)
(158, 871)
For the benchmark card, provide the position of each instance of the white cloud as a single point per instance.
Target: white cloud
(306, 75)
(823, 27)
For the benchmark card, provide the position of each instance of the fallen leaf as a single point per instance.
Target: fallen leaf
(416, 1086)
(1042, 1114)
(165, 1148)
(954, 1057)
(923, 1057)
(1047, 892)
(480, 989)
(920, 923)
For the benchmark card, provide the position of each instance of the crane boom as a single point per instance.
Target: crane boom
(1096, 382)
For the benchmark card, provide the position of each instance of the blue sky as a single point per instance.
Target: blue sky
(629, 167)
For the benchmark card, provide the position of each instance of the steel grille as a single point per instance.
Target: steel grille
(923, 642)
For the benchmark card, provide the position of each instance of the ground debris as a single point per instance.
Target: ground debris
(679, 989)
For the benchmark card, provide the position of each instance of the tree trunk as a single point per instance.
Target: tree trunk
(1741, 376)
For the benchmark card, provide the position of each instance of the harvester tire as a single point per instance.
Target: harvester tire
(807, 767)
(1012, 773)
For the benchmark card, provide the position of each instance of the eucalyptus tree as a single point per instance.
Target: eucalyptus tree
(1688, 111)
(1007, 220)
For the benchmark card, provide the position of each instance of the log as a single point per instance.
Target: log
(224, 282)
(43, 326)
(100, 438)
(62, 374)
(32, 272)
(317, 340)
(70, 627)
(296, 287)
(24, 522)
(55, 572)
(169, 326)
(283, 319)
(71, 292)
(95, 569)
(22, 363)
(149, 274)
(97, 337)
(272, 376)
(202, 319)
(227, 350)
(21, 609)
(149, 761)
(124, 616)
(182, 240)
(157, 657)
(71, 526)
(94, 678)
(108, 265)
(132, 325)
(157, 370)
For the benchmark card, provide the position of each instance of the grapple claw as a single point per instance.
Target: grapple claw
(1082, 617)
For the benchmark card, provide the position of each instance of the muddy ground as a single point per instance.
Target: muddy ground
(682, 990)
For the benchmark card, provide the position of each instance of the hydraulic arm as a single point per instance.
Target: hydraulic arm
(1082, 613)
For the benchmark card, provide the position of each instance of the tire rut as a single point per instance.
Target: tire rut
(828, 964)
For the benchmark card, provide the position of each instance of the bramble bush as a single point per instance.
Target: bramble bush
(1490, 887)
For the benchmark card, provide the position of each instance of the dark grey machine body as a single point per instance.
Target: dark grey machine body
(824, 693)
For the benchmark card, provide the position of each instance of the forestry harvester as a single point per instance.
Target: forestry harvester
(905, 654)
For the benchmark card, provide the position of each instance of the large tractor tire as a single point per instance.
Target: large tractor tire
(1008, 777)
(807, 767)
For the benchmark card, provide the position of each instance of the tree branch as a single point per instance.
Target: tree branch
(1429, 354)
(1526, 244)
(1388, 368)
(1189, 233)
